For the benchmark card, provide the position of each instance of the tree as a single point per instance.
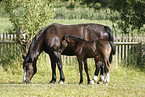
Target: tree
(28, 16)
(131, 14)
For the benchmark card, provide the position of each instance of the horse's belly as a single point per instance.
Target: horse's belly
(68, 52)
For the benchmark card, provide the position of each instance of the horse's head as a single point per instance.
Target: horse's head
(30, 69)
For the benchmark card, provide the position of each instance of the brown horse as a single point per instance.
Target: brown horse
(48, 40)
(87, 49)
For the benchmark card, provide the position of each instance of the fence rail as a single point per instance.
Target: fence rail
(128, 47)
(129, 52)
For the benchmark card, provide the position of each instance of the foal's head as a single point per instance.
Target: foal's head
(69, 41)
(63, 43)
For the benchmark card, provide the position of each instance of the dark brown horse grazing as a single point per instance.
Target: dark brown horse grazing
(87, 49)
(48, 40)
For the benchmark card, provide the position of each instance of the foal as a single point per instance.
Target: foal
(87, 49)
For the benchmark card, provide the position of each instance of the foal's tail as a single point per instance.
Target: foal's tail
(111, 41)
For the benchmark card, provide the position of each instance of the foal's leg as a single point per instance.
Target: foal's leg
(101, 80)
(106, 80)
(98, 63)
(86, 70)
(80, 69)
(97, 69)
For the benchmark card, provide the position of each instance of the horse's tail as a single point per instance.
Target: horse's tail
(110, 33)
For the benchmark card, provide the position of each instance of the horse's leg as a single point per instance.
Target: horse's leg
(60, 67)
(80, 70)
(53, 67)
(56, 58)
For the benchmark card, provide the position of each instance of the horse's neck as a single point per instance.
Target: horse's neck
(34, 51)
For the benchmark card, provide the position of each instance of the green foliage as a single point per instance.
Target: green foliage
(131, 14)
(2, 12)
(28, 15)
(85, 13)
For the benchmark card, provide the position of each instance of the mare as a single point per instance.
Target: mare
(87, 49)
(48, 40)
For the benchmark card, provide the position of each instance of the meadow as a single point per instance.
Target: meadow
(124, 80)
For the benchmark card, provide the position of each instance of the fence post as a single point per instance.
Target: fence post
(139, 53)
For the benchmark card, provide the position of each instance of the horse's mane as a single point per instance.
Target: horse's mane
(35, 39)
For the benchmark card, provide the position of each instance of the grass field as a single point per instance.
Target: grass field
(125, 81)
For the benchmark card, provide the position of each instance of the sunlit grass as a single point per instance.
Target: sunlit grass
(124, 81)
(5, 24)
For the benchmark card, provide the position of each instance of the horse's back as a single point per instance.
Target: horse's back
(87, 31)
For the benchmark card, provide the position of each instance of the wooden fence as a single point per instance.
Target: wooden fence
(8, 46)
(128, 48)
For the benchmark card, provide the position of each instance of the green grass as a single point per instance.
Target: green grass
(124, 81)
(5, 24)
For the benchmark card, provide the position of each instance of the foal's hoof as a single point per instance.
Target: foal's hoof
(105, 83)
(91, 82)
(60, 82)
(95, 79)
(100, 82)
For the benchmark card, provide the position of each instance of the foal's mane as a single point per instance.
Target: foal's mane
(76, 38)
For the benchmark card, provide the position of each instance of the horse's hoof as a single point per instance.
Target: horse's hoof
(52, 82)
(91, 82)
(60, 82)
(27, 82)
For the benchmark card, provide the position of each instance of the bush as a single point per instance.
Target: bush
(29, 16)
(85, 13)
